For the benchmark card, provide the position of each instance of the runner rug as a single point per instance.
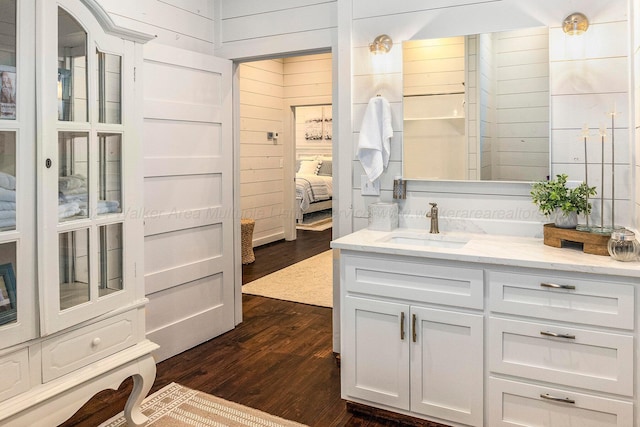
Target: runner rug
(309, 281)
(178, 406)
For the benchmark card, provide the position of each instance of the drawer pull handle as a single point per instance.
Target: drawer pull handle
(413, 328)
(96, 342)
(555, 335)
(402, 325)
(556, 286)
(557, 399)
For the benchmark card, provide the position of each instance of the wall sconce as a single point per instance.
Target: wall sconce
(575, 24)
(381, 44)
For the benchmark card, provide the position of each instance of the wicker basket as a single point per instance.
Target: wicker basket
(246, 228)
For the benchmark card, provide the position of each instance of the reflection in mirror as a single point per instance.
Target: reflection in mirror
(73, 172)
(477, 107)
(110, 256)
(109, 86)
(72, 69)
(73, 247)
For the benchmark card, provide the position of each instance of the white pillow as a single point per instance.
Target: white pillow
(309, 167)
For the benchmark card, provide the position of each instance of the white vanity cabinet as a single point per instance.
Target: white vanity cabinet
(412, 339)
(560, 347)
(70, 119)
(508, 332)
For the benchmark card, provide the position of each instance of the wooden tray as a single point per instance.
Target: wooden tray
(592, 243)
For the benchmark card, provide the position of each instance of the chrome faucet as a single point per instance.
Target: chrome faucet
(433, 214)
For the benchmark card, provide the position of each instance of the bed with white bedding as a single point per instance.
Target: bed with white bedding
(314, 186)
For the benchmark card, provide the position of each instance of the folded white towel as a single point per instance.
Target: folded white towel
(7, 181)
(374, 145)
(7, 195)
(7, 206)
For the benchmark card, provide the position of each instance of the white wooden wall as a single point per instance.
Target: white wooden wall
(185, 24)
(582, 89)
(262, 160)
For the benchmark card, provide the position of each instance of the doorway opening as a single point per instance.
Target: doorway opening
(285, 124)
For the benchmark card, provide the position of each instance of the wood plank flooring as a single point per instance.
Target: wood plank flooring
(278, 360)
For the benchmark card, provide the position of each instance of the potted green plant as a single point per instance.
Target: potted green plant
(555, 198)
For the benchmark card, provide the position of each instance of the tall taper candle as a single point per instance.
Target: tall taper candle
(585, 134)
(603, 132)
(613, 171)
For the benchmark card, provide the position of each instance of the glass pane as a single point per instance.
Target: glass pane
(73, 170)
(109, 87)
(109, 171)
(72, 69)
(110, 256)
(74, 268)
(7, 181)
(8, 59)
(8, 289)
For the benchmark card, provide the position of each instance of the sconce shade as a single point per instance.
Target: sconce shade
(575, 24)
(381, 44)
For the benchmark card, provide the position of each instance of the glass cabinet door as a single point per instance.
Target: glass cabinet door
(86, 171)
(18, 314)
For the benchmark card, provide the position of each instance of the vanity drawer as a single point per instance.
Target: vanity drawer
(519, 404)
(565, 299)
(416, 281)
(576, 357)
(68, 352)
(14, 374)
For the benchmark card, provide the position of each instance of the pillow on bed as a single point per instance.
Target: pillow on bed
(326, 168)
(309, 167)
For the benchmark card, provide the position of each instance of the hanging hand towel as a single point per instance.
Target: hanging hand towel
(375, 134)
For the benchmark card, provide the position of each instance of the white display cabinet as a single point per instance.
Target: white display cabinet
(70, 168)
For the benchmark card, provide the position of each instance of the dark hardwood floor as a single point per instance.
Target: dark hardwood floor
(278, 360)
(278, 255)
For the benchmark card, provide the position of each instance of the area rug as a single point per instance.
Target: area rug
(178, 406)
(309, 282)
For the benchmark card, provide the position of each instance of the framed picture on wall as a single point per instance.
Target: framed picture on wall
(8, 306)
(8, 92)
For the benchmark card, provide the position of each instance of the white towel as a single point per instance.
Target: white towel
(375, 134)
(7, 181)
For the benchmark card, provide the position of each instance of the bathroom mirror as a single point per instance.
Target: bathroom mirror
(476, 107)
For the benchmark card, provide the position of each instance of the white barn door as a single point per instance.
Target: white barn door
(188, 203)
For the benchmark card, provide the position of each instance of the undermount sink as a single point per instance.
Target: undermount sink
(430, 240)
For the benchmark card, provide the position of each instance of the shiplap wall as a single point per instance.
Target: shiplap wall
(262, 160)
(581, 91)
(185, 24)
(268, 89)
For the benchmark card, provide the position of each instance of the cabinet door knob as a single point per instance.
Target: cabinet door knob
(556, 286)
(96, 342)
(557, 399)
(556, 335)
(47, 163)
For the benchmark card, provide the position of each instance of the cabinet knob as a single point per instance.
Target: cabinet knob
(96, 342)
(47, 163)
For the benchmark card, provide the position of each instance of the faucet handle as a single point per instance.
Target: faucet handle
(435, 205)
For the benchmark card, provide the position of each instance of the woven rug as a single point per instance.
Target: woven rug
(316, 221)
(178, 406)
(309, 282)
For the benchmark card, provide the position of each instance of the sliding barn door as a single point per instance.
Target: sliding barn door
(188, 205)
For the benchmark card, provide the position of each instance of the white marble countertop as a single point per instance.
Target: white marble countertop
(489, 249)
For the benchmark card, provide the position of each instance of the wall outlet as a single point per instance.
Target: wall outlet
(369, 188)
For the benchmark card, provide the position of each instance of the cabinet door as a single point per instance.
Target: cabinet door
(18, 313)
(375, 352)
(89, 214)
(447, 365)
